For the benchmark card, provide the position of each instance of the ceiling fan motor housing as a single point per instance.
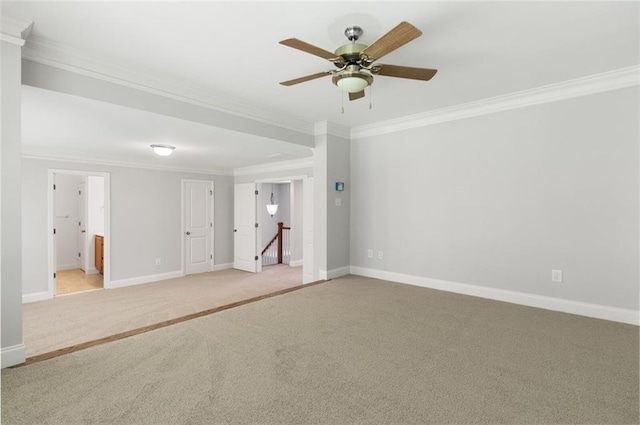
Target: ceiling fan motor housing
(353, 33)
(351, 52)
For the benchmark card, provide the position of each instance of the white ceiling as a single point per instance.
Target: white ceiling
(230, 49)
(56, 124)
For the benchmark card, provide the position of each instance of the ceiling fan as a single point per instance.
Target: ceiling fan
(355, 62)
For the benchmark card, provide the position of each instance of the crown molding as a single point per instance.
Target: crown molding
(26, 154)
(325, 127)
(15, 31)
(592, 84)
(294, 164)
(56, 55)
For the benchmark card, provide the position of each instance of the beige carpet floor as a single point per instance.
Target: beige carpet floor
(352, 350)
(74, 319)
(75, 280)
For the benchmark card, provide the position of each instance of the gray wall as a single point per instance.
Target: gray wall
(338, 241)
(11, 208)
(145, 220)
(499, 200)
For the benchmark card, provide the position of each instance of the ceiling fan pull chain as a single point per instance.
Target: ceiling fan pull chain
(342, 100)
(371, 97)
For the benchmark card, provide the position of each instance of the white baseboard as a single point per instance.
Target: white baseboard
(322, 274)
(92, 270)
(224, 266)
(143, 279)
(549, 303)
(13, 355)
(36, 296)
(341, 271)
(296, 263)
(67, 267)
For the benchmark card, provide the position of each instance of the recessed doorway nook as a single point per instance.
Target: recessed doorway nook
(85, 226)
(295, 198)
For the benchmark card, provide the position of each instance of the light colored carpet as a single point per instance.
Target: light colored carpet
(75, 280)
(73, 319)
(352, 350)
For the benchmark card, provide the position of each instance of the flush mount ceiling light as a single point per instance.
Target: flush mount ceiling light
(163, 150)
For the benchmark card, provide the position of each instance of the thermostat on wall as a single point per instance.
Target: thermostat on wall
(339, 186)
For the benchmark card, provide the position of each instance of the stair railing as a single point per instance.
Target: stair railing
(278, 250)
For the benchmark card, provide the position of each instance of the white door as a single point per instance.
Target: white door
(82, 226)
(198, 223)
(53, 248)
(245, 251)
(307, 229)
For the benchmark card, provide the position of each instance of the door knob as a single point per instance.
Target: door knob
(235, 230)
(188, 233)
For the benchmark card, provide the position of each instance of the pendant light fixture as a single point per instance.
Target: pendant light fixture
(272, 208)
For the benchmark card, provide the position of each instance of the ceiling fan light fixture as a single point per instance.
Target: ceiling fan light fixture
(352, 84)
(352, 80)
(163, 150)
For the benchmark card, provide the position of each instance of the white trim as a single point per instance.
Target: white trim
(293, 164)
(341, 271)
(548, 303)
(11, 39)
(36, 296)
(121, 283)
(296, 263)
(89, 160)
(91, 270)
(223, 266)
(13, 355)
(15, 31)
(591, 84)
(322, 275)
(325, 127)
(53, 54)
(67, 267)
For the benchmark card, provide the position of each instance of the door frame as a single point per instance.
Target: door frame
(183, 251)
(84, 249)
(260, 203)
(51, 266)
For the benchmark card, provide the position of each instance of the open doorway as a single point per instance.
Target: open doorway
(277, 222)
(78, 215)
(255, 230)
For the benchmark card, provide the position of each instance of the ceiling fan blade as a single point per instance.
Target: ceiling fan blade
(309, 48)
(424, 74)
(357, 95)
(397, 37)
(305, 78)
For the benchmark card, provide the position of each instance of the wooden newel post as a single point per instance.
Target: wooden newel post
(280, 224)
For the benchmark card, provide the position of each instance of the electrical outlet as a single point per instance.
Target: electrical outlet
(158, 261)
(556, 276)
(370, 253)
(338, 202)
(379, 255)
